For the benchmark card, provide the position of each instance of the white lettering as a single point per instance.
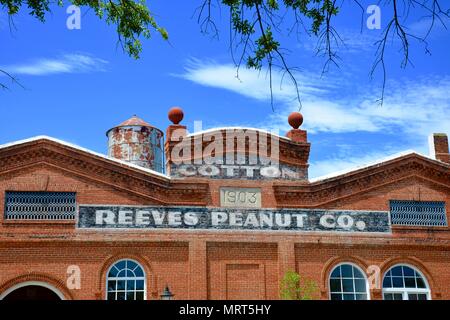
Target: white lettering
(175, 218)
(190, 218)
(142, 217)
(218, 218)
(325, 221)
(104, 217)
(125, 217)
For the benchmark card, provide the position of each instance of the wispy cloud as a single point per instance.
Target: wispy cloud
(425, 25)
(411, 111)
(251, 83)
(415, 107)
(339, 165)
(68, 63)
(345, 41)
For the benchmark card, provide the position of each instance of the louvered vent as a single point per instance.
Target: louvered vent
(418, 213)
(40, 205)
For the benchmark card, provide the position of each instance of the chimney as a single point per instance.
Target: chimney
(439, 147)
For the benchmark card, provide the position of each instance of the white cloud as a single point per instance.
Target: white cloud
(412, 110)
(422, 26)
(68, 63)
(339, 165)
(417, 107)
(251, 83)
(346, 41)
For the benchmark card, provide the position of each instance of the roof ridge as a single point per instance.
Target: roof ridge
(79, 148)
(372, 164)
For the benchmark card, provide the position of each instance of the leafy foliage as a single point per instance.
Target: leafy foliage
(295, 287)
(256, 27)
(132, 18)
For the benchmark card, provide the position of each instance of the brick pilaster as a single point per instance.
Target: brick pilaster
(198, 289)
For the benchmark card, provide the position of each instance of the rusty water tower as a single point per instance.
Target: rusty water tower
(137, 142)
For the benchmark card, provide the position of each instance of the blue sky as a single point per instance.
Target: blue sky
(79, 83)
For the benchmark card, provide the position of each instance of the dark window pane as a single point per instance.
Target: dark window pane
(408, 272)
(335, 285)
(111, 285)
(131, 265)
(140, 295)
(387, 282)
(347, 285)
(410, 282)
(129, 273)
(346, 271)
(140, 285)
(120, 265)
(336, 296)
(398, 296)
(397, 271)
(130, 295)
(111, 296)
(122, 274)
(412, 296)
(361, 296)
(420, 283)
(360, 285)
(349, 296)
(358, 274)
(397, 282)
(121, 285)
(113, 272)
(388, 296)
(139, 272)
(121, 295)
(336, 273)
(130, 285)
(421, 296)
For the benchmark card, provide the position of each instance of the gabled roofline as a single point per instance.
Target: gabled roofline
(77, 147)
(375, 163)
(323, 178)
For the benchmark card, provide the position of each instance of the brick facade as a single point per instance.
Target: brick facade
(205, 264)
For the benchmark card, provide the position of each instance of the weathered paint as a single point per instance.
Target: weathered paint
(140, 145)
(232, 219)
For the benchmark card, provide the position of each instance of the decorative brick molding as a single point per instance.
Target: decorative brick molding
(333, 262)
(417, 264)
(122, 255)
(33, 276)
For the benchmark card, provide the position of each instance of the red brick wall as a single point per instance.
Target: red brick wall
(209, 265)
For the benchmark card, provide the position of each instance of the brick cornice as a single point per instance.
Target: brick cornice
(290, 152)
(160, 189)
(325, 192)
(79, 163)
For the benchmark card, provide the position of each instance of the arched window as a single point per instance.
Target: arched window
(348, 282)
(402, 282)
(126, 281)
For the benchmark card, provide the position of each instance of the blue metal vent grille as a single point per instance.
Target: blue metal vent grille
(40, 205)
(418, 213)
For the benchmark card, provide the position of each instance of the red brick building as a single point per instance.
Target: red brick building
(75, 224)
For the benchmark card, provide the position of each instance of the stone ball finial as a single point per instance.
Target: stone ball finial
(295, 119)
(176, 114)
